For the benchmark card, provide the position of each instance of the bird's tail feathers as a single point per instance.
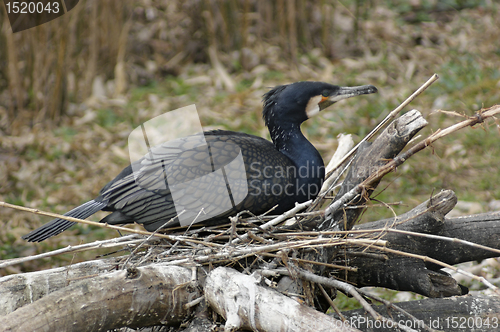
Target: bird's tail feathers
(57, 225)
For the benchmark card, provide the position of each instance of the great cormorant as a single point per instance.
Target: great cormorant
(280, 173)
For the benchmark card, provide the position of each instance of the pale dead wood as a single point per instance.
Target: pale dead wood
(391, 116)
(221, 71)
(244, 304)
(479, 117)
(135, 297)
(345, 145)
(370, 158)
(347, 288)
(20, 289)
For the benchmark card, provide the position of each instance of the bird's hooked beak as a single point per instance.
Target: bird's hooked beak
(344, 92)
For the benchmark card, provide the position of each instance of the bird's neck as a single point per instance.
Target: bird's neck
(310, 170)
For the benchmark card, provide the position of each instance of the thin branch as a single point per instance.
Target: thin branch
(330, 302)
(227, 254)
(305, 235)
(149, 238)
(344, 287)
(120, 241)
(479, 117)
(193, 303)
(389, 304)
(277, 220)
(442, 238)
(388, 118)
(438, 262)
(102, 225)
(332, 266)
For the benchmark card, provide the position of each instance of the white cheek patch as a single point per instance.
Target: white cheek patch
(312, 107)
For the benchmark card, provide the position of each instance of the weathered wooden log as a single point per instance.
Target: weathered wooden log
(374, 269)
(368, 160)
(103, 302)
(136, 297)
(20, 289)
(428, 218)
(452, 314)
(398, 272)
(245, 305)
(402, 272)
(382, 269)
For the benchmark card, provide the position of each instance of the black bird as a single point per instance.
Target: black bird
(155, 191)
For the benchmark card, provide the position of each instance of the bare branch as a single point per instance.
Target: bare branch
(480, 116)
(114, 242)
(244, 304)
(388, 118)
(349, 289)
(437, 262)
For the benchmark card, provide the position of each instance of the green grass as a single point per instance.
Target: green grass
(106, 118)
(343, 302)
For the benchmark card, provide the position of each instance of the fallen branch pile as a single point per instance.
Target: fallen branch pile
(269, 273)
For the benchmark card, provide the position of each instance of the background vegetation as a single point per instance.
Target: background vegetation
(72, 89)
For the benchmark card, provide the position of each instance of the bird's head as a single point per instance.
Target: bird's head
(300, 101)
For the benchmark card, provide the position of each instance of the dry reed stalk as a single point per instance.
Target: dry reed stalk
(91, 65)
(87, 42)
(327, 13)
(93, 223)
(58, 101)
(119, 241)
(120, 70)
(13, 71)
(281, 10)
(292, 29)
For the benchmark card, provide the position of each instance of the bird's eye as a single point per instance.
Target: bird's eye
(325, 93)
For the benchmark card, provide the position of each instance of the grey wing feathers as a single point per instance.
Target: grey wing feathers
(57, 226)
(189, 179)
(185, 166)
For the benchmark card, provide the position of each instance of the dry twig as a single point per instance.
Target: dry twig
(479, 117)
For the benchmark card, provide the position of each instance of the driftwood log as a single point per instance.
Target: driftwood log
(451, 314)
(244, 304)
(271, 278)
(404, 273)
(149, 295)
